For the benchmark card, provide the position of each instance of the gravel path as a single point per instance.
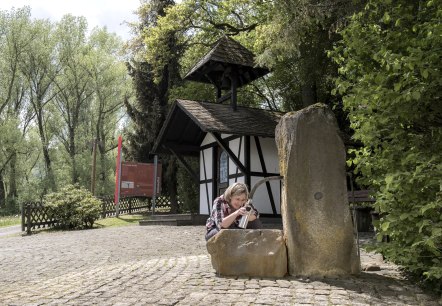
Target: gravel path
(10, 230)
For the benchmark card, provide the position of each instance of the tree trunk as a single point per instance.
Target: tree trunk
(12, 192)
(49, 172)
(2, 191)
(309, 95)
(174, 208)
(102, 175)
(72, 156)
(47, 159)
(169, 178)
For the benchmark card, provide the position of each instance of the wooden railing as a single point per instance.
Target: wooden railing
(358, 196)
(126, 206)
(36, 215)
(361, 214)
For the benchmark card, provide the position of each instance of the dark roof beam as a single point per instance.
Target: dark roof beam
(211, 67)
(181, 147)
(224, 98)
(186, 166)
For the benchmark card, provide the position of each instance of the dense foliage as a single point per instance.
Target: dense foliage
(61, 89)
(153, 83)
(390, 65)
(74, 207)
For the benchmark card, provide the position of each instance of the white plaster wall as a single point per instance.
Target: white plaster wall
(238, 180)
(261, 199)
(204, 206)
(203, 191)
(208, 165)
(207, 140)
(255, 164)
(269, 152)
(234, 147)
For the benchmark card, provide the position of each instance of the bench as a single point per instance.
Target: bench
(362, 213)
(358, 196)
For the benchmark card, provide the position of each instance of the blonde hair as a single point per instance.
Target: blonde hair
(236, 190)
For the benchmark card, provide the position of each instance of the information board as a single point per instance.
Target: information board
(137, 179)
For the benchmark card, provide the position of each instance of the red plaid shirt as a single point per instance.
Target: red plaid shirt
(220, 210)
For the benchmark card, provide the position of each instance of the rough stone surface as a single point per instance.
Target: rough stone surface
(260, 253)
(315, 212)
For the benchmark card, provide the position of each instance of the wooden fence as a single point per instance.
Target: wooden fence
(126, 206)
(35, 215)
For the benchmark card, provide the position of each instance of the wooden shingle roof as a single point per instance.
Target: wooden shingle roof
(189, 121)
(226, 55)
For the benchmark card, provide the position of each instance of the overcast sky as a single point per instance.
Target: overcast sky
(109, 13)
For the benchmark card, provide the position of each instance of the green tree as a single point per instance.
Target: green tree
(75, 87)
(111, 86)
(15, 37)
(152, 83)
(14, 44)
(389, 61)
(60, 88)
(40, 69)
(293, 40)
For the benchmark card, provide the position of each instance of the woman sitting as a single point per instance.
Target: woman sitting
(229, 208)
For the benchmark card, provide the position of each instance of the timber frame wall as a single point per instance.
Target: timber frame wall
(251, 158)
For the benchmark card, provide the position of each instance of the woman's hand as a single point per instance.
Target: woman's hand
(241, 212)
(227, 221)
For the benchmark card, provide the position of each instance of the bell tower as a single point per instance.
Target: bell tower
(228, 66)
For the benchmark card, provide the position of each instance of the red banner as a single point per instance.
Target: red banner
(118, 172)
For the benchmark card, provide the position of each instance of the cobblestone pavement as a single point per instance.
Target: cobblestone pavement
(161, 265)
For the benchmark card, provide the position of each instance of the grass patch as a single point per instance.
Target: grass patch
(9, 220)
(123, 220)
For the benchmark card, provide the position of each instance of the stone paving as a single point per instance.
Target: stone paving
(161, 265)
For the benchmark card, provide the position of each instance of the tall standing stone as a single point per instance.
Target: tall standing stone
(315, 212)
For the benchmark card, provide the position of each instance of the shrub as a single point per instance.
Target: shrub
(389, 61)
(74, 207)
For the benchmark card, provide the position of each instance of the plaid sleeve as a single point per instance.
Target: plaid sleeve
(216, 216)
(219, 213)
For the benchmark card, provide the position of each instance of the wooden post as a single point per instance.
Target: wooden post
(29, 223)
(23, 207)
(130, 206)
(118, 177)
(234, 80)
(154, 196)
(103, 208)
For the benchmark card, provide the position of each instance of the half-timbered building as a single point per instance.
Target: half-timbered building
(233, 143)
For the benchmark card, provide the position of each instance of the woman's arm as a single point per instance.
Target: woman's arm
(227, 221)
